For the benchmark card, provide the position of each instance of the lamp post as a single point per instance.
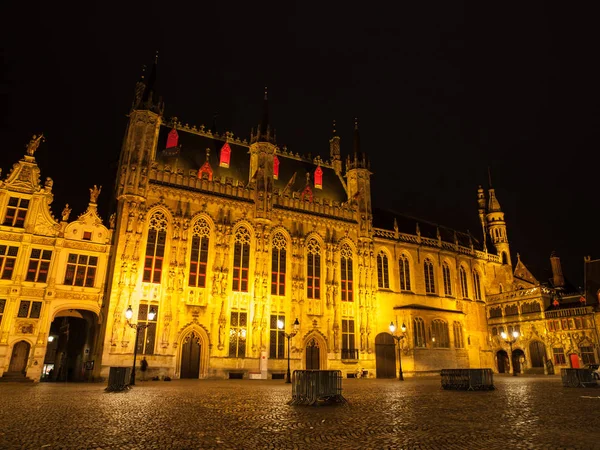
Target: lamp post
(138, 327)
(288, 336)
(398, 338)
(510, 339)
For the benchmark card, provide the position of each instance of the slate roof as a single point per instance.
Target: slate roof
(192, 154)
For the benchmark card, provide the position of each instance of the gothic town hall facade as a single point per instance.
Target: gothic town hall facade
(230, 243)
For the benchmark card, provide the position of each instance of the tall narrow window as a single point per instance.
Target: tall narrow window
(313, 269)
(439, 334)
(447, 279)
(237, 334)
(404, 266)
(476, 285)
(8, 257)
(278, 265)
(419, 332)
(2, 306)
(199, 254)
(559, 356)
(81, 270)
(39, 262)
(147, 336)
(16, 211)
(587, 355)
(464, 288)
(458, 336)
(155, 248)
(346, 273)
(277, 337)
(348, 347)
(429, 278)
(241, 260)
(383, 277)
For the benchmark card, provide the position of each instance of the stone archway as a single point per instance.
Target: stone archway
(193, 355)
(315, 352)
(502, 361)
(18, 359)
(518, 356)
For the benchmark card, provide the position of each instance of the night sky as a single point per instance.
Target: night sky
(442, 91)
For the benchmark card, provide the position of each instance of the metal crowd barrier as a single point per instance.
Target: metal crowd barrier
(577, 378)
(468, 379)
(315, 387)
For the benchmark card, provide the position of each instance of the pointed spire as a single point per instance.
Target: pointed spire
(356, 143)
(214, 124)
(151, 80)
(264, 125)
(334, 129)
(263, 131)
(489, 177)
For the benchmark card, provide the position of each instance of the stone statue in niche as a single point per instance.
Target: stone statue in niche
(94, 193)
(111, 220)
(65, 213)
(49, 183)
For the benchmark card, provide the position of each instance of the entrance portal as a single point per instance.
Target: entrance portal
(190, 356)
(503, 362)
(537, 351)
(18, 360)
(517, 357)
(385, 356)
(313, 355)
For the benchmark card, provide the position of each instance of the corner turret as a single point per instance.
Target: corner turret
(497, 226)
(358, 176)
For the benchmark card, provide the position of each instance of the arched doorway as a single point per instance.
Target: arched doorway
(537, 352)
(503, 362)
(313, 355)
(385, 356)
(190, 356)
(70, 355)
(517, 356)
(18, 359)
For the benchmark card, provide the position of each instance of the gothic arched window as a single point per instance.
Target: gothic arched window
(404, 268)
(458, 336)
(439, 334)
(429, 278)
(447, 279)
(278, 261)
(313, 269)
(419, 332)
(346, 273)
(476, 285)
(241, 260)
(199, 253)
(155, 248)
(383, 277)
(464, 288)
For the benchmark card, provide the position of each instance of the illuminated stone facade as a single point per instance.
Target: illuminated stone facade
(224, 237)
(49, 269)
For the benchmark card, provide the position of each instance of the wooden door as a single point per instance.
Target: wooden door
(385, 356)
(190, 357)
(18, 360)
(537, 351)
(313, 355)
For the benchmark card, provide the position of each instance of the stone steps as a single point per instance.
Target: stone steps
(15, 378)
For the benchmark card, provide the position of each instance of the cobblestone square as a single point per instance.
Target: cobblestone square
(521, 413)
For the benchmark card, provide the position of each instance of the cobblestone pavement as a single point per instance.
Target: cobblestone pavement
(521, 413)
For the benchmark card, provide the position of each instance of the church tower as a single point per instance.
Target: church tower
(262, 153)
(497, 227)
(358, 176)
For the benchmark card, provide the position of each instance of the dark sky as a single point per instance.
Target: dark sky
(442, 91)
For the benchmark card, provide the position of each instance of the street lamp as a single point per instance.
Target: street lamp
(138, 327)
(398, 338)
(510, 340)
(288, 336)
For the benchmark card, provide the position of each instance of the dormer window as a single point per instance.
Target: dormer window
(319, 178)
(172, 139)
(16, 212)
(225, 155)
(275, 167)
